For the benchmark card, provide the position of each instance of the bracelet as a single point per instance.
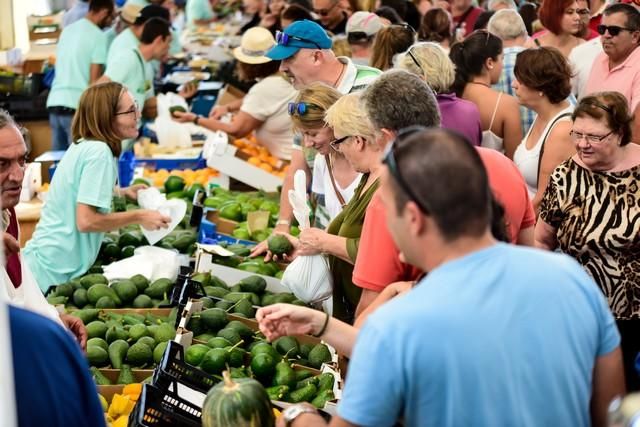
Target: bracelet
(324, 327)
(195, 121)
(283, 222)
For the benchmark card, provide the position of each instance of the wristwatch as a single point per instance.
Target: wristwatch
(294, 411)
(195, 120)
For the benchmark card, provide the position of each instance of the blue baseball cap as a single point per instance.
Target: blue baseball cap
(303, 34)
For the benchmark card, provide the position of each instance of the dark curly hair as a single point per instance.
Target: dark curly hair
(611, 107)
(435, 26)
(546, 70)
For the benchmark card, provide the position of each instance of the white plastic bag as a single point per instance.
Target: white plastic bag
(151, 198)
(307, 277)
(151, 262)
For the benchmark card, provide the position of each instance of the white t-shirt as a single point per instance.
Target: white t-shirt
(581, 59)
(267, 101)
(321, 184)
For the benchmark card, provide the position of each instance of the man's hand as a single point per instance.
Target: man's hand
(189, 89)
(153, 220)
(11, 245)
(279, 320)
(76, 327)
(181, 117)
(218, 111)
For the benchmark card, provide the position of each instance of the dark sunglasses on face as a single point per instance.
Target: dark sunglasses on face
(325, 12)
(390, 160)
(283, 39)
(614, 30)
(335, 144)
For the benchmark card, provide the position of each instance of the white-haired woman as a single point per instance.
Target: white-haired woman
(430, 62)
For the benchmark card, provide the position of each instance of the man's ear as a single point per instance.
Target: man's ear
(415, 219)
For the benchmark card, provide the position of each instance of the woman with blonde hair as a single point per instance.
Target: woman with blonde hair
(67, 238)
(430, 62)
(356, 140)
(334, 180)
(389, 42)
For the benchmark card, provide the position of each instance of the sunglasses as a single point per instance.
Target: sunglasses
(325, 12)
(283, 39)
(614, 30)
(415, 60)
(335, 144)
(390, 160)
(300, 108)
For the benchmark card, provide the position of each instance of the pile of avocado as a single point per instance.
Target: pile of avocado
(241, 298)
(242, 261)
(93, 291)
(246, 353)
(122, 341)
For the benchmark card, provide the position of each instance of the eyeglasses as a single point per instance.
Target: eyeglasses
(614, 30)
(591, 139)
(325, 12)
(389, 159)
(283, 39)
(300, 108)
(335, 144)
(415, 60)
(133, 110)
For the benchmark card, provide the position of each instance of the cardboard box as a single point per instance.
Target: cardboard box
(223, 225)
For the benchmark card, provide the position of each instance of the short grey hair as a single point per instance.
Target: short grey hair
(507, 24)
(6, 119)
(398, 99)
(509, 3)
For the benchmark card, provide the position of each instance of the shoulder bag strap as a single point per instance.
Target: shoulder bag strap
(545, 140)
(327, 158)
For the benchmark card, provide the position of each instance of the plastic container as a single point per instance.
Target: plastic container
(164, 408)
(20, 84)
(128, 162)
(173, 368)
(208, 234)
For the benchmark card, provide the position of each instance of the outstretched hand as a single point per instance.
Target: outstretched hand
(280, 320)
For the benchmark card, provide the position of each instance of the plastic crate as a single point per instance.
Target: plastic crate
(20, 84)
(25, 108)
(128, 162)
(173, 369)
(164, 408)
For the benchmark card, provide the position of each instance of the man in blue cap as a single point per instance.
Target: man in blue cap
(305, 51)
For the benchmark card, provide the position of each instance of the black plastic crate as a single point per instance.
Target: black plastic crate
(24, 108)
(164, 408)
(173, 368)
(20, 84)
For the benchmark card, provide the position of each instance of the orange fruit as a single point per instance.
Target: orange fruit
(254, 161)
(266, 167)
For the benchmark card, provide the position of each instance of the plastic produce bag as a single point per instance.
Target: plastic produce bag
(307, 277)
(171, 133)
(151, 262)
(151, 198)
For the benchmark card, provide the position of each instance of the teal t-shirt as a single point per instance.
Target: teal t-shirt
(129, 68)
(81, 44)
(124, 41)
(197, 10)
(58, 251)
(142, 3)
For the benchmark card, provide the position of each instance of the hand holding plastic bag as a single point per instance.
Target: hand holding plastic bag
(307, 277)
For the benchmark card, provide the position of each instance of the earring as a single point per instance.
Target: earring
(541, 94)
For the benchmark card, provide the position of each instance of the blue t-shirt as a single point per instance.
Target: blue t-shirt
(58, 251)
(52, 381)
(505, 336)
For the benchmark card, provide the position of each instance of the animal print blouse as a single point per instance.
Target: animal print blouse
(597, 217)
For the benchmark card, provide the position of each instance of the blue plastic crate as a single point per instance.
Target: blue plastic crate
(128, 162)
(208, 234)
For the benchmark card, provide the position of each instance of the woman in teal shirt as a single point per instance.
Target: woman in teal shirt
(67, 238)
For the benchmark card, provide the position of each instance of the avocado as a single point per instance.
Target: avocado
(129, 239)
(304, 394)
(142, 301)
(277, 392)
(182, 243)
(139, 355)
(115, 333)
(158, 352)
(326, 381)
(133, 319)
(100, 290)
(287, 346)
(92, 279)
(176, 108)
(225, 305)
(218, 282)
(244, 308)
(138, 331)
(204, 337)
(159, 288)
(149, 341)
(203, 278)
(127, 251)
(305, 349)
(216, 292)
(117, 352)
(96, 329)
(285, 375)
(255, 284)
(87, 315)
(98, 377)
(164, 332)
(218, 342)
(97, 356)
(214, 318)
(173, 183)
(97, 342)
(54, 300)
(263, 365)
(279, 245)
(214, 361)
(80, 297)
(64, 290)
(322, 398)
(194, 354)
(140, 282)
(318, 355)
(237, 296)
(231, 211)
(243, 330)
(106, 302)
(303, 374)
(126, 375)
(263, 347)
(239, 372)
(230, 335)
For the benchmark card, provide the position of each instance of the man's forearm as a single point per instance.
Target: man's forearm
(89, 222)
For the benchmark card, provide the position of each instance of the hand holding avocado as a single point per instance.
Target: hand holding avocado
(279, 320)
(189, 89)
(182, 117)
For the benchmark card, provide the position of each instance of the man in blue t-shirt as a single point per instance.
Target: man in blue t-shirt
(53, 386)
(495, 335)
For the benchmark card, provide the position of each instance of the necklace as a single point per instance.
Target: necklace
(480, 83)
(335, 84)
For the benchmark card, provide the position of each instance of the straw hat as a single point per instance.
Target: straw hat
(255, 43)
(130, 12)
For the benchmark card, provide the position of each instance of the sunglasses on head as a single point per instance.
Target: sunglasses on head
(614, 30)
(299, 108)
(389, 159)
(283, 39)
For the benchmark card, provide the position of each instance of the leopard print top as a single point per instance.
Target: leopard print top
(597, 218)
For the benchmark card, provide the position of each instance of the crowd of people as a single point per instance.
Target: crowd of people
(474, 172)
